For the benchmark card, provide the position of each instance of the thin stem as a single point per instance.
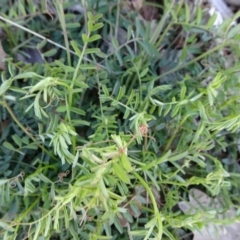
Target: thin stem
(130, 109)
(27, 132)
(173, 135)
(70, 99)
(44, 38)
(117, 19)
(120, 47)
(154, 203)
(192, 61)
(76, 72)
(23, 215)
(160, 26)
(100, 101)
(140, 82)
(84, 5)
(63, 24)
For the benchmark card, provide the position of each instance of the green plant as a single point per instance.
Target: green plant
(88, 131)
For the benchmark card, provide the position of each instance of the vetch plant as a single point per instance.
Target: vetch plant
(99, 145)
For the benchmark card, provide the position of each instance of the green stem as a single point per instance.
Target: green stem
(63, 23)
(70, 99)
(133, 81)
(193, 60)
(42, 37)
(25, 130)
(23, 215)
(137, 39)
(76, 73)
(155, 207)
(117, 19)
(169, 25)
(140, 82)
(160, 26)
(174, 134)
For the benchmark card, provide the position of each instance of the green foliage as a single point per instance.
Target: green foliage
(87, 128)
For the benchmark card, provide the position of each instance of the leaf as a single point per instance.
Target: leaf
(76, 49)
(79, 122)
(187, 13)
(63, 109)
(85, 38)
(29, 187)
(129, 32)
(5, 86)
(150, 49)
(50, 53)
(211, 21)
(88, 66)
(175, 111)
(42, 44)
(118, 55)
(9, 146)
(103, 188)
(48, 224)
(22, 9)
(202, 111)
(77, 110)
(101, 54)
(167, 110)
(90, 16)
(126, 163)
(144, 72)
(199, 15)
(92, 50)
(6, 226)
(2, 56)
(75, 161)
(17, 140)
(120, 172)
(97, 26)
(65, 67)
(178, 156)
(73, 233)
(233, 32)
(26, 75)
(73, 25)
(115, 42)
(3, 181)
(37, 230)
(44, 178)
(90, 25)
(94, 38)
(25, 140)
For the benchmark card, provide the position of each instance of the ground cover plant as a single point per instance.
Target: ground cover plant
(110, 119)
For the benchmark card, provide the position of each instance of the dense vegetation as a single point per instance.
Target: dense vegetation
(108, 120)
